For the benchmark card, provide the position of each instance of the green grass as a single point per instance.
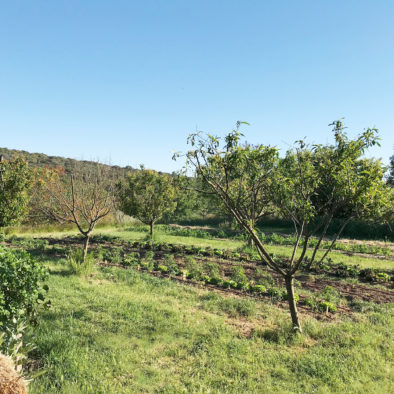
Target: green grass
(121, 331)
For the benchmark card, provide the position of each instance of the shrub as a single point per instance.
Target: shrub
(162, 268)
(373, 275)
(326, 306)
(257, 289)
(264, 278)
(326, 300)
(170, 263)
(77, 264)
(194, 269)
(212, 269)
(238, 276)
(215, 281)
(229, 283)
(276, 293)
(132, 259)
(21, 294)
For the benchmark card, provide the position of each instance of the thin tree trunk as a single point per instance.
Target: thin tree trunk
(289, 279)
(335, 239)
(151, 228)
(250, 242)
(85, 246)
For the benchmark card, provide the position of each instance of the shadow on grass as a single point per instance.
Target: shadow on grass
(61, 272)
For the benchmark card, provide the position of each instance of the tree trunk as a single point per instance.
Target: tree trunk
(85, 246)
(151, 228)
(250, 242)
(292, 302)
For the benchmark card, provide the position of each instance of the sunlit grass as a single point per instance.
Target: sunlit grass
(121, 331)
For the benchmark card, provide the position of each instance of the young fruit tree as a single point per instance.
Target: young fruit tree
(15, 182)
(83, 196)
(147, 195)
(309, 186)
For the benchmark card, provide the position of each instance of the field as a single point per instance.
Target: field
(138, 323)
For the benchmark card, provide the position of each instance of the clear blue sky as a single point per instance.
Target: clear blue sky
(127, 81)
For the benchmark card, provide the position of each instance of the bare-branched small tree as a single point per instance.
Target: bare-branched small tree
(82, 196)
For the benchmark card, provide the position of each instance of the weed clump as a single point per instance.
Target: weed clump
(78, 265)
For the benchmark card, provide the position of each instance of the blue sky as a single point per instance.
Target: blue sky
(126, 81)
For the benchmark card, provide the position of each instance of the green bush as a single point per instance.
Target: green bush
(229, 283)
(132, 259)
(194, 269)
(212, 270)
(326, 300)
(171, 264)
(21, 293)
(264, 278)
(276, 293)
(238, 276)
(257, 289)
(76, 263)
(327, 306)
(373, 275)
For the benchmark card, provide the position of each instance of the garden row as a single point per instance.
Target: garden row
(187, 268)
(117, 250)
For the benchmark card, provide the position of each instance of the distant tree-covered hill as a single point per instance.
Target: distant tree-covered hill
(42, 160)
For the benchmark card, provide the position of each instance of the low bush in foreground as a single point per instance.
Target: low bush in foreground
(21, 293)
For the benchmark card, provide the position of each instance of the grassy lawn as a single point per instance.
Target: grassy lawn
(121, 331)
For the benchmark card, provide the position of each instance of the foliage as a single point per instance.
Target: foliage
(171, 264)
(147, 195)
(15, 182)
(326, 300)
(80, 264)
(22, 292)
(310, 186)
(239, 277)
(390, 178)
(194, 268)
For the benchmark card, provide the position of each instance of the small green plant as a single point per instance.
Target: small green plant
(171, 264)
(162, 268)
(326, 300)
(373, 275)
(264, 278)
(257, 289)
(229, 284)
(275, 293)
(326, 306)
(132, 259)
(77, 264)
(238, 275)
(212, 270)
(194, 269)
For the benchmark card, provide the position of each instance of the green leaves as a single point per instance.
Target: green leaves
(15, 181)
(147, 195)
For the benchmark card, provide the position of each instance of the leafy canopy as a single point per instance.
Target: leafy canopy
(147, 195)
(15, 181)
